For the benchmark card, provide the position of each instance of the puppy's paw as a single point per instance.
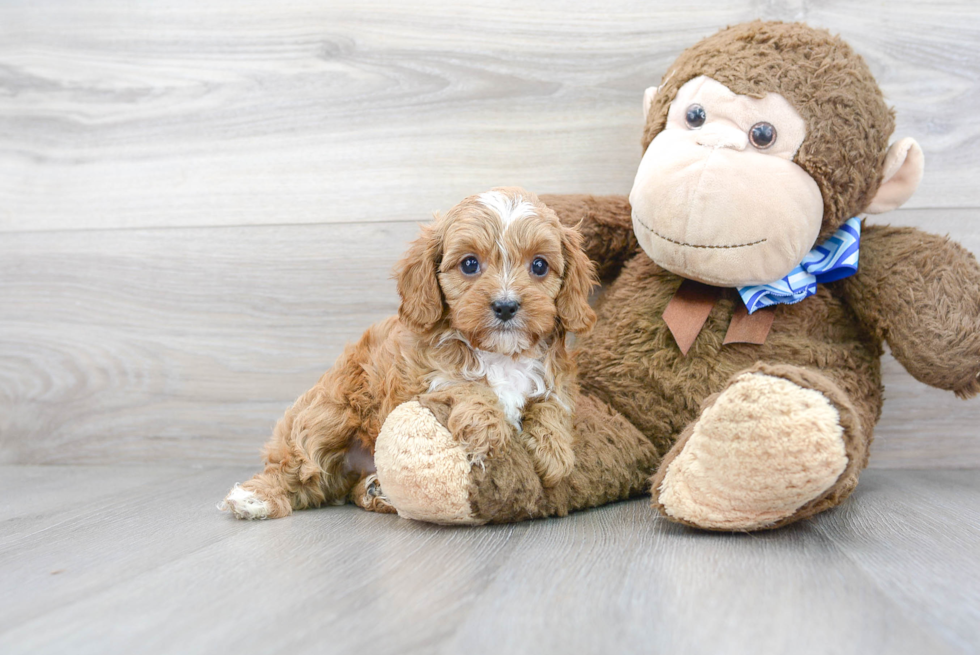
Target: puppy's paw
(367, 494)
(553, 457)
(480, 430)
(245, 504)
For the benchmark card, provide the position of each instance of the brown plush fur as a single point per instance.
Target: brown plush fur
(848, 122)
(613, 461)
(632, 362)
(921, 293)
(918, 292)
(436, 350)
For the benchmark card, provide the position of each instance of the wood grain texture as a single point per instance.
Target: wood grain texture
(900, 524)
(156, 569)
(186, 345)
(56, 493)
(177, 345)
(120, 114)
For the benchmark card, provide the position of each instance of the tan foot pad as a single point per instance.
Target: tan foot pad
(424, 471)
(765, 448)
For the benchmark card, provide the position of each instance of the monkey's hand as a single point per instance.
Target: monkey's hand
(921, 293)
(606, 224)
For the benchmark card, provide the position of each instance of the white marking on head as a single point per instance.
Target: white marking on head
(508, 209)
(505, 269)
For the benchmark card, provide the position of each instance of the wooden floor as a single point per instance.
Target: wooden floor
(107, 560)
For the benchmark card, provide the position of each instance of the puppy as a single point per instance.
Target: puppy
(488, 293)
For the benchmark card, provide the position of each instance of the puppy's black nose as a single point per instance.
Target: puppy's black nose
(505, 309)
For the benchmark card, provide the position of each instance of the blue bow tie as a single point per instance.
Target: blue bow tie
(834, 259)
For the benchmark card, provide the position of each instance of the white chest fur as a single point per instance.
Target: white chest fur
(514, 380)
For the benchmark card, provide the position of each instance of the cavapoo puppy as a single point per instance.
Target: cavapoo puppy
(488, 293)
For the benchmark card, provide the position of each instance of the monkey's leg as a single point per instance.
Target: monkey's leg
(426, 474)
(778, 444)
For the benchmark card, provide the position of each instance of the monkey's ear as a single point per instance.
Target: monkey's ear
(903, 172)
(422, 304)
(648, 100)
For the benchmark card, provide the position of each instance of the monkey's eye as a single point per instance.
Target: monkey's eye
(470, 265)
(762, 135)
(695, 116)
(539, 267)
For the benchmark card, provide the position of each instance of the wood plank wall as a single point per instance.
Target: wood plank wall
(200, 202)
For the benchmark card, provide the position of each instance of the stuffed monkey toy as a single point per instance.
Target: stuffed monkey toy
(737, 351)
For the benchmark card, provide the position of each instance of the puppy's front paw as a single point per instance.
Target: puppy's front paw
(245, 504)
(479, 429)
(553, 457)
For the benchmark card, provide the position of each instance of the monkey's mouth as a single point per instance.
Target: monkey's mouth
(694, 245)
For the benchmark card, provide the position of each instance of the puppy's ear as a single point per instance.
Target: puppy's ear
(576, 284)
(422, 303)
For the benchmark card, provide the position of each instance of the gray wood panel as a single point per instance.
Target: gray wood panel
(225, 113)
(177, 344)
(157, 569)
(185, 345)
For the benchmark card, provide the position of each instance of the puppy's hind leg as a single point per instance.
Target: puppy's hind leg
(305, 463)
(366, 493)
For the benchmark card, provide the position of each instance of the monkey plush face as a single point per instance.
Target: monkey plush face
(718, 197)
(761, 141)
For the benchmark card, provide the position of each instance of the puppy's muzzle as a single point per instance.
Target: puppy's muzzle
(505, 309)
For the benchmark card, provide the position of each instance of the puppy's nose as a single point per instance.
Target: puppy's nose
(505, 309)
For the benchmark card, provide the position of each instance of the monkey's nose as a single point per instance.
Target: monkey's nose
(715, 136)
(505, 309)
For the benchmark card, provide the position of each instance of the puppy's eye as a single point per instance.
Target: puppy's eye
(762, 135)
(470, 265)
(539, 267)
(695, 116)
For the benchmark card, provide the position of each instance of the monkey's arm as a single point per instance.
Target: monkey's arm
(606, 223)
(921, 293)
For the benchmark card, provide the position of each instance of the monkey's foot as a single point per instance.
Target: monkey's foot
(425, 473)
(769, 449)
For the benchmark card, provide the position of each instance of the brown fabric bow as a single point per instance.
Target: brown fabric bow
(688, 310)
